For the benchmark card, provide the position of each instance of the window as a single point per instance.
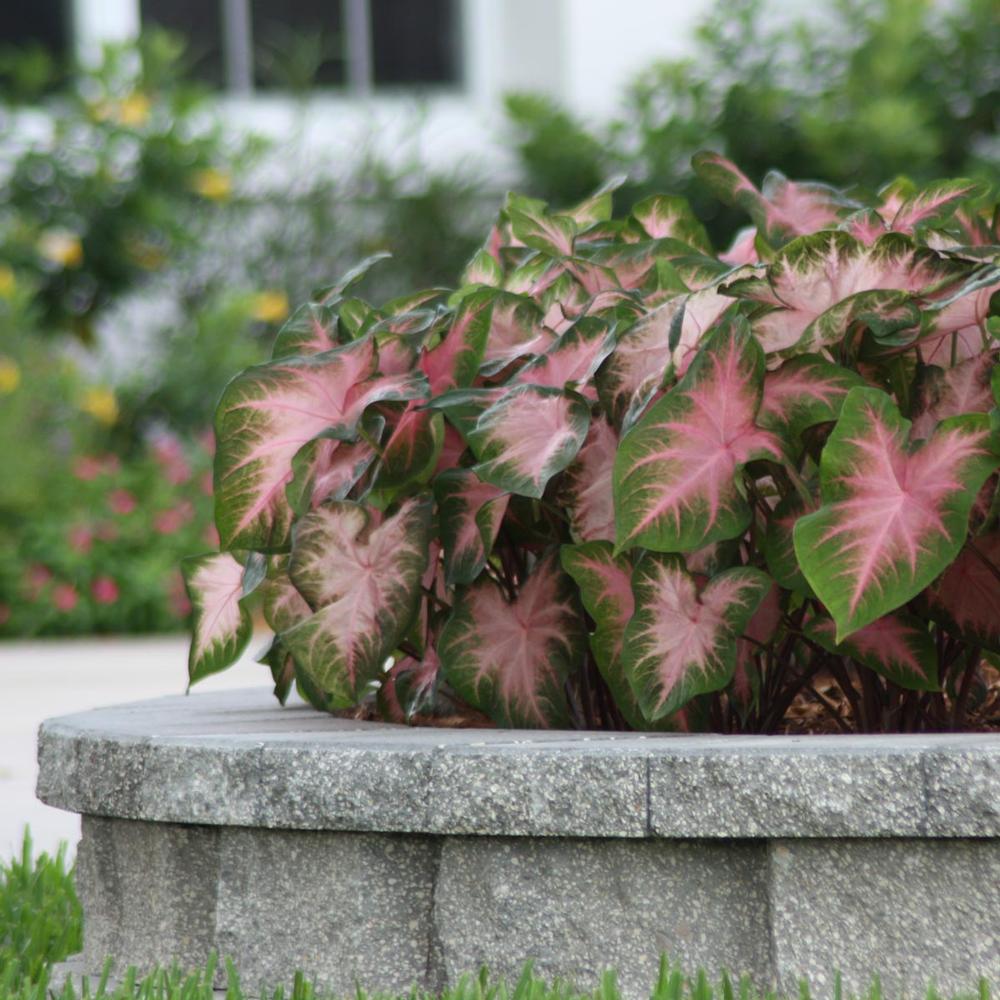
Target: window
(296, 44)
(35, 25)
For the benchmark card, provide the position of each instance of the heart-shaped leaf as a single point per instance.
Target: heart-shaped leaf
(891, 518)
(363, 580)
(528, 436)
(269, 412)
(511, 658)
(222, 625)
(897, 646)
(680, 642)
(675, 474)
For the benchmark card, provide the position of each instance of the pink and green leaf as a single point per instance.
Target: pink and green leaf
(469, 516)
(222, 625)
(516, 330)
(327, 469)
(681, 642)
(933, 204)
(511, 658)
(675, 477)
(455, 361)
(269, 412)
(412, 448)
(573, 358)
(779, 546)
(803, 392)
(363, 580)
(814, 283)
(311, 329)
(527, 437)
(968, 592)
(950, 392)
(670, 216)
(282, 605)
(783, 210)
(605, 584)
(483, 269)
(891, 518)
(641, 358)
(898, 646)
(536, 228)
(587, 485)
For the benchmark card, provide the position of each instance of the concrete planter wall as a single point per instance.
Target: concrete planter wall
(393, 856)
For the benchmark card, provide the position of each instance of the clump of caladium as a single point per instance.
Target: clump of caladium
(618, 479)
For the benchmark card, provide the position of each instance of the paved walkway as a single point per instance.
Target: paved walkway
(53, 677)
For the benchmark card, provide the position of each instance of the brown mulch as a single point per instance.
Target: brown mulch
(807, 716)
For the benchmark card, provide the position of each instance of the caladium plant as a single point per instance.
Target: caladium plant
(619, 479)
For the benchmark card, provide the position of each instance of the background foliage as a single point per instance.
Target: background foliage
(856, 93)
(123, 312)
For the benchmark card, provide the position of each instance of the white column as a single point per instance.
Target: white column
(96, 22)
(512, 45)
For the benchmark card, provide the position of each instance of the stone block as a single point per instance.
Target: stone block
(786, 790)
(911, 910)
(543, 791)
(148, 892)
(578, 906)
(344, 908)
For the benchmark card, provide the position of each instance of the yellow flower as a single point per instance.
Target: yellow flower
(8, 282)
(212, 183)
(101, 404)
(269, 307)
(101, 111)
(62, 247)
(134, 110)
(146, 254)
(10, 376)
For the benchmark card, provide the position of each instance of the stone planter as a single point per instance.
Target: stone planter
(357, 851)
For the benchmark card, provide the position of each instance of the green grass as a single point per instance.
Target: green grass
(40, 917)
(41, 923)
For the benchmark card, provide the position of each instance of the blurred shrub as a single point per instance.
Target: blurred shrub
(860, 91)
(145, 255)
(101, 188)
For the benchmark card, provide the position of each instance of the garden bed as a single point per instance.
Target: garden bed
(356, 850)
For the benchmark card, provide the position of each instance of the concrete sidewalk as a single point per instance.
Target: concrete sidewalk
(50, 677)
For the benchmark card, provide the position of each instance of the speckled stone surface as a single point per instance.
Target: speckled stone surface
(344, 908)
(351, 850)
(239, 759)
(912, 910)
(148, 891)
(579, 906)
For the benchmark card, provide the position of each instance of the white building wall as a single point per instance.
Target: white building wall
(582, 52)
(605, 44)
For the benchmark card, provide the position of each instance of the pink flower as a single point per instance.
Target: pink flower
(169, 453)
(64, 596)
(104, 590)
(35, 579)
(207, 484)
(87, 468)
(167, 522)
(121, 501)
(80, 538)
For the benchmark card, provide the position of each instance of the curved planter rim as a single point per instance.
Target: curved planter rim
(240, 759)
